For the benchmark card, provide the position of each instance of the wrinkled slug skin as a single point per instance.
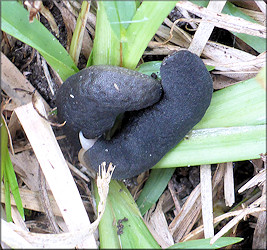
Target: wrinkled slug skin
(90, 100)
(147, 135)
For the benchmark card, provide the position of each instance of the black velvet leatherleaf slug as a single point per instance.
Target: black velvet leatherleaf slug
(148, 134)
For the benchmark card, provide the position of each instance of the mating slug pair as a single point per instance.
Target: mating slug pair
(158, 114)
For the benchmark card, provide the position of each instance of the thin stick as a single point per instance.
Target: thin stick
(262, 6)
(206, 200)
(229, 188)
(204, 30)
(48, 77)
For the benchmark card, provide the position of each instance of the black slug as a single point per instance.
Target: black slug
(90, 100)
(148, 134)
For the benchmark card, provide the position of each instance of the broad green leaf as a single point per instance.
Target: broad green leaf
(216, 145)
(15, 22)
(150, 67)
(147, 19)
(239, 105)
(106, 49)
(119, 14)
(121, 206)
(126, 11)
(153, 189)
(205, 243)
(154, 67)
(114, 46)
(107, 227)
(113, 17)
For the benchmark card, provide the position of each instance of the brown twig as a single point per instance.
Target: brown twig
(46, 202)
(39, 113)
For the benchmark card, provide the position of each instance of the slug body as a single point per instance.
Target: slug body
(148, 134)
(90, 100)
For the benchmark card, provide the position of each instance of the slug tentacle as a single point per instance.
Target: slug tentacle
(148, 134)
(86, 143)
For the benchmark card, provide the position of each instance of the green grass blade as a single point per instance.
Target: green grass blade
(205, 243)
(4, 165)
(10, 180)
(147, 19)
(4, 149)
(15, 22)
(154, 187)
(90, 60)
(7, 197)
(135, 233)
(11, 176)
(257, 43)
(106, 49)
